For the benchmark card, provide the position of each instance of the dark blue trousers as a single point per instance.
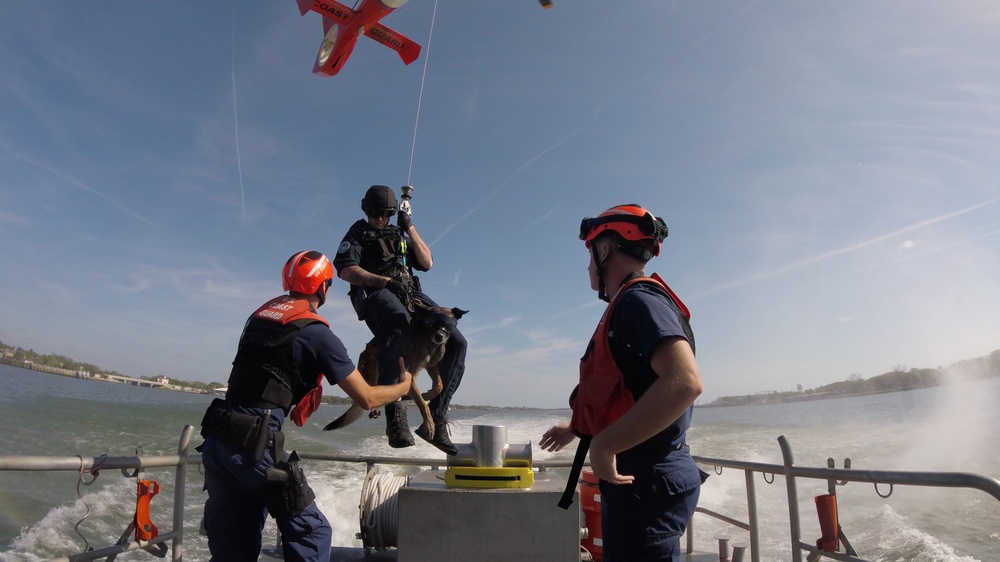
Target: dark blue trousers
(644, 521)
(235, 512)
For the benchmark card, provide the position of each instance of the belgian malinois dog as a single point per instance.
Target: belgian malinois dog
(431, 328)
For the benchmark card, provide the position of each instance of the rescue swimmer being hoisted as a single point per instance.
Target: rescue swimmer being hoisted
(343, 26)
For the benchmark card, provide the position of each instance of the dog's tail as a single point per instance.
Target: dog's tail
(348, 417)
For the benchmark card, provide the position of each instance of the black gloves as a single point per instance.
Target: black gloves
(398, 289)
(403, 221)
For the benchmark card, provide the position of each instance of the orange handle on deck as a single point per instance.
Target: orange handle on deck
(144, 528)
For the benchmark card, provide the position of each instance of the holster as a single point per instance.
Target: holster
(288, 494)
(358, 297)
(245, 432)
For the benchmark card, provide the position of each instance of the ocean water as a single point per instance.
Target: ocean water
(949, 429)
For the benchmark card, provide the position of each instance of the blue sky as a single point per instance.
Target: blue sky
(829, 171)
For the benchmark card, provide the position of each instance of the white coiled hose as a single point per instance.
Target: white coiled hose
(379, 514)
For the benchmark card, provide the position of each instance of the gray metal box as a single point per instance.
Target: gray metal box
(438, 523)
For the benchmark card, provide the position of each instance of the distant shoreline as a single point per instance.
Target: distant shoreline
(898, 380)
(329, 400)
(83, 375)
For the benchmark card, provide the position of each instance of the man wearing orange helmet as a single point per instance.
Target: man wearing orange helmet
(378, 259)
(284, 353)
(633, 404)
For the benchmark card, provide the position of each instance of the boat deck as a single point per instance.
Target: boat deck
(350, 554)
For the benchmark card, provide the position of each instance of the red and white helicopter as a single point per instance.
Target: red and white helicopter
(343, 26)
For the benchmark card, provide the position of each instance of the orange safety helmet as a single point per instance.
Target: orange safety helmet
(630, 222)
(306, 272)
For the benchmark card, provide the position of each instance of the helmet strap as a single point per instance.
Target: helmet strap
(602, 292)
(321, 293)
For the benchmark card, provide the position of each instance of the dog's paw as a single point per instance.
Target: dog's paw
(374, 413)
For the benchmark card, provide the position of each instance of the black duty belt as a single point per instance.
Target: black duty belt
(246, 432)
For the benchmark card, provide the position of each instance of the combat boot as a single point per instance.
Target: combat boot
(396, 427)
(440, 438)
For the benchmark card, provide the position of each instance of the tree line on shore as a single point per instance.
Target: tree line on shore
(898, 379)
(31, 357)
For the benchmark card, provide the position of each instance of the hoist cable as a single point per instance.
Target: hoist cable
(420, 97)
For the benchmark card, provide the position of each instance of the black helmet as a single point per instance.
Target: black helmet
(378, 200)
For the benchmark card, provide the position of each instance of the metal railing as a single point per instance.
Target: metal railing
(834, 477)
(181, 462)
(139, 464)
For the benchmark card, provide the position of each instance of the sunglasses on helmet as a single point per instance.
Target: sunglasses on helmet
(651, 226)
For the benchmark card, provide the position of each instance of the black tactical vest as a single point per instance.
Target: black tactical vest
(383, 252)
(264, 372)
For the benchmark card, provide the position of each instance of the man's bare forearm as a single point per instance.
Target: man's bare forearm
(420, 250)
(355, 275)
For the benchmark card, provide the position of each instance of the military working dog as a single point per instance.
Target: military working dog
(431, 328)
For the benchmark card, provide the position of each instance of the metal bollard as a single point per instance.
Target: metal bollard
(489, 448)
(723, 549)
(738, 551)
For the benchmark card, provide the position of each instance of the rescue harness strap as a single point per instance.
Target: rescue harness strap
(574, 473)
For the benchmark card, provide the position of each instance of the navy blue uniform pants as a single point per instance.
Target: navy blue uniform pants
(644, 521)
(235, 512)
(389, 321)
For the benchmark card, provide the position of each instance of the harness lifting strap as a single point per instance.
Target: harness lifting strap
(574, 473)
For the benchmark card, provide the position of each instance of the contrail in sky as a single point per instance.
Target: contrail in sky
(930, 251)
(595, 115)
(844, 250)
(80, 184)
(500, 186)
(236, 124)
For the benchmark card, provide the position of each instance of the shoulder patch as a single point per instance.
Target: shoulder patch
(344, 246)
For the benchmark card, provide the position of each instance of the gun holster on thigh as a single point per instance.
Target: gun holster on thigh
(289, 493)
(358, 297)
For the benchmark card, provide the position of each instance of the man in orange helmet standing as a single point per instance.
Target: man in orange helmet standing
(638, 384)
(284, 353)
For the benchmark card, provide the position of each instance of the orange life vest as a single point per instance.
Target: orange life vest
(295, 314)
(601, 396)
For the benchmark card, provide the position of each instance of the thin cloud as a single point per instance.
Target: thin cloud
(541, 220)
(502, 184)
(75, 182)
(503, 323)
(236, 122)
(930, 251)
(13, 219)
(598, 110)
(844, 250)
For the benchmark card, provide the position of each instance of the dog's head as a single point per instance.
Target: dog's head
(436, 323)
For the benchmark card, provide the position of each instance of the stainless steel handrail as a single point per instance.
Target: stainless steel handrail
(91, 464)
(183, 460)
(985, 484)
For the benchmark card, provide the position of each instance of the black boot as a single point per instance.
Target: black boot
(396, 428)
(440, 439)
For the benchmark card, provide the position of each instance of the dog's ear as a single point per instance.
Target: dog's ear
(458, 312)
